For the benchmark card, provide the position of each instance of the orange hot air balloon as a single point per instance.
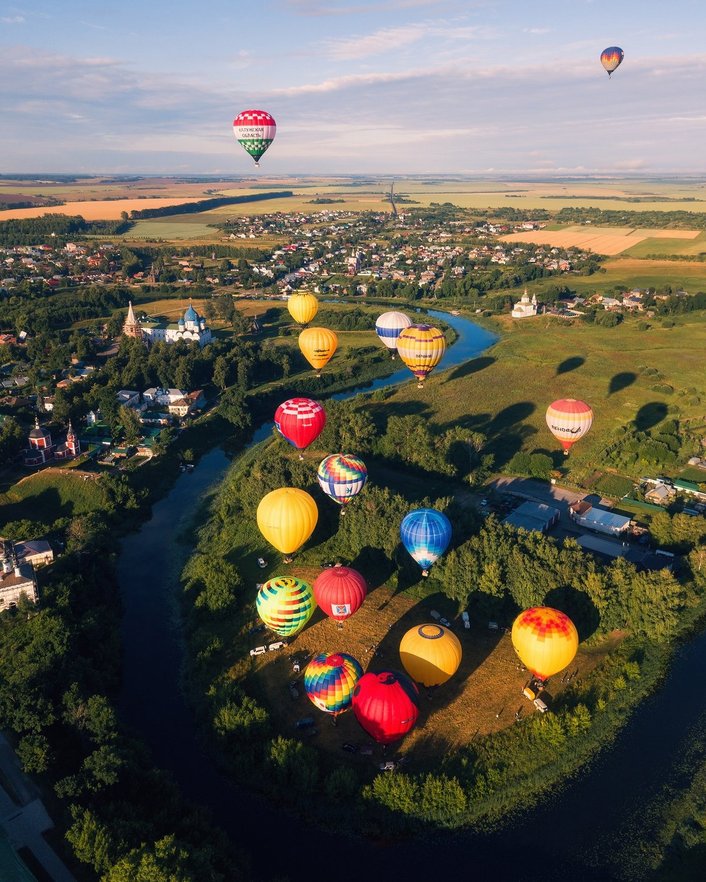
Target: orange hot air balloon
(421, 348)
(317, 346)
(545, 639)
(303, 307)
(286, 518)
(569, 419)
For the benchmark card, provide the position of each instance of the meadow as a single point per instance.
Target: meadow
(51, 494)
(610, 240)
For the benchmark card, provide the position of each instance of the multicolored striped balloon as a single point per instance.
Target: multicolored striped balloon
(421, 348)
(342, 476)
(255, 131)
(329, 681)
(569, 419)
(285, 604)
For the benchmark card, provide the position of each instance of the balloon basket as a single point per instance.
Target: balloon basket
(288, 560)
(420, 385)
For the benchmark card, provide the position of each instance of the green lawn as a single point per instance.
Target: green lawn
(680, 247)
(50, 495)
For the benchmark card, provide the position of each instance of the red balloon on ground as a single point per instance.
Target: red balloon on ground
(300, 421)
(339, 592)
(386, 705)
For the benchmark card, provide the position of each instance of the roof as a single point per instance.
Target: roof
(191, 315)
(605, 519)
(680, 484)
(11, 867)
(532, 516)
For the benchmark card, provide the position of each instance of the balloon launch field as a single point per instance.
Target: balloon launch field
(482, 697)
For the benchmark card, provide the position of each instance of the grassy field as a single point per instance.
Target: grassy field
(482, 696)
(632, 273)
(505, 392)
(679, 246)
(109, 209)
(51, 494)
(173, 229)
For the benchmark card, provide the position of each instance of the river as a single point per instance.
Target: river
(572, 833)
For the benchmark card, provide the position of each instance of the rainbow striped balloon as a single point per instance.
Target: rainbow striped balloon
(285, 604)
(329, 681)
(342, 476)
(421, 348)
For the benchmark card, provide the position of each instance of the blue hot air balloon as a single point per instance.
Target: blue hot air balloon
(426, 534)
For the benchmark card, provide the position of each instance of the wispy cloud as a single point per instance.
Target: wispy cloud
(537, 31)
(389, 39)
(13, 19)
(342, 7)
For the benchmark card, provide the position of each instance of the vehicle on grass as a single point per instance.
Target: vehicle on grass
(466, 620)
(259, 650)
(304, 723)
(540, 705)
(388, 766)
(261, 562)
(278, 644)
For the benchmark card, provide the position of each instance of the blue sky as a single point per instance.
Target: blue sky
(395, 86)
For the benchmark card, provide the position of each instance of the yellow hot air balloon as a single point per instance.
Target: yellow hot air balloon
(286, 518)
(303, 307)
(421, 348)
(545, 639)
(317, 346)
(430, 654)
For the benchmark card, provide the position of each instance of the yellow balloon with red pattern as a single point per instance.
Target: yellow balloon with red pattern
(545, 639)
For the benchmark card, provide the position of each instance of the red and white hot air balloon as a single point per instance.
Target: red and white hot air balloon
(569, 419)
(300, 421)
(255, 131)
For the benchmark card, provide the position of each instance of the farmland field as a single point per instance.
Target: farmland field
(632, 273)
(108, 209)
(606, 240)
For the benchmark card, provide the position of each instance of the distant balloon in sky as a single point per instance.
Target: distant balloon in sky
(611, 58)
(255, 131)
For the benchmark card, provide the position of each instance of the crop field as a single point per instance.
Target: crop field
(173, 228)
(108, 209)
(505, 392)
(482, 697)
(681, 246)
(604, 240)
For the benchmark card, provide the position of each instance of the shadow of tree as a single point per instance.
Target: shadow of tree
(570, 364)
(578, 606)
(621, 381)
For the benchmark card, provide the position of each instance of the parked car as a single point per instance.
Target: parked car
(259, 650)
(278, 644)
(304, 723)
(540, 705)
(261, 562)
(388, 766)
(466, 619)
(444, 621)
(435, 615)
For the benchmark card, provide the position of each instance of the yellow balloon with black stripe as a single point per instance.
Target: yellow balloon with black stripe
(317, 346)
(421, 348)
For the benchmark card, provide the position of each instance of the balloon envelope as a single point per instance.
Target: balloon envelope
(286, 518)
(342, 476)
(611, 58)
(329, 681)
(545, 639)
(421, 348)
(317, 346)
(569, 419)
(285, 604)
(302, 307)
(300, 421)
(255, 131)
(340, 591)
(430, 654)
(386, 705)
(389, 326)
(425, 533)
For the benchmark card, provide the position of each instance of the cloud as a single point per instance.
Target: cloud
(537, 30)
(13, 19)
(390, 39)
(341, 7)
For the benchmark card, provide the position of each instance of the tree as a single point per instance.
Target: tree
(233, 406)
(131, 425)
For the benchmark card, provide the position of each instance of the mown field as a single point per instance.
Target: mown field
(505, 392)
(694, 246)
(108, 209)
(607, 240)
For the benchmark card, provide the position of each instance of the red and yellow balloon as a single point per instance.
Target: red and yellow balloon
(545, 639)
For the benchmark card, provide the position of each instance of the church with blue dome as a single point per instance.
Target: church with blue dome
(190, 327)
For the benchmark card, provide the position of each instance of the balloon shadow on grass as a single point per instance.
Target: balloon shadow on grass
(649, 415)
(570, 364)
(470, 367)
(621, 381)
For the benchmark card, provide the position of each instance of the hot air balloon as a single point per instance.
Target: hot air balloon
(421, 348)
(317, 346)
(255, 131)
(300, 421)
(430, 654)
(340, 591)
(611, 58)
(545, 639)
(303, 307)
(386, 705)
(329, 681)
(389, 326)
(569, 419)
(285, 604)
(426, 534)
(342, 476)
(286, 518)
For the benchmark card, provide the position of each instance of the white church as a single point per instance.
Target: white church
(191, 327)
(525, 308)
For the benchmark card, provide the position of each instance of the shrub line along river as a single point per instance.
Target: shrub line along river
(569, 834)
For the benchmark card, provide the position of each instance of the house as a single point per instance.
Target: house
(660, 494)
(17, 580)
(128, 398)
(36, 552)
(598, 519)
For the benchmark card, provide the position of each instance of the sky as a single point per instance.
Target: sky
(486, 87)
